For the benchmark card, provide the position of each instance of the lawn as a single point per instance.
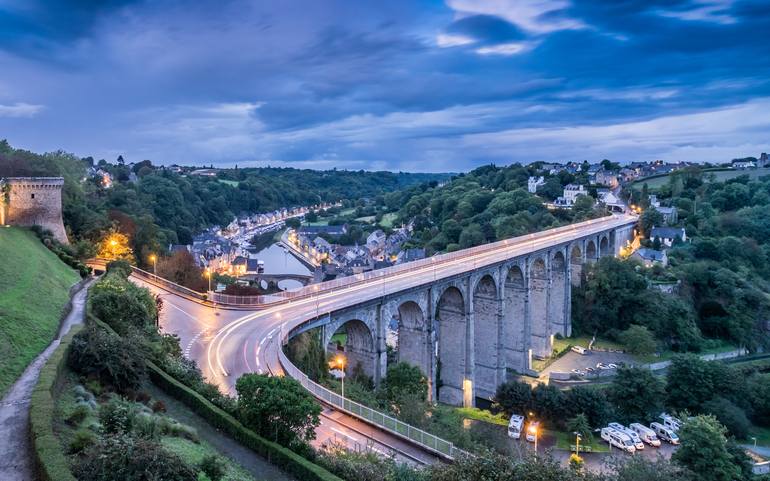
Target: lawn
(34, 289)
(564, 440)
(368, 219)
(233, 183)
(193, 454)
(388, 219)
(483, 415)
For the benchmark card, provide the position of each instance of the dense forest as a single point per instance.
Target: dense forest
(487, 204)
(721, 272)
(155, 207)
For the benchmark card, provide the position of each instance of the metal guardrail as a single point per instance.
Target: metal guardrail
(390, 424)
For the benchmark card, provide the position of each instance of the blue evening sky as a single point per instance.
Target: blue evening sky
(402, 85)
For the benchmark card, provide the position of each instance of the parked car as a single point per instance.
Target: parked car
(665, 433)
(638, 444)
(602, 366)
(580, 350)
(618, 439)
(532, 431)
(515, 425)
(578, 372)
(646, 434)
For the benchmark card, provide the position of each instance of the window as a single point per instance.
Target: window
(33, 195)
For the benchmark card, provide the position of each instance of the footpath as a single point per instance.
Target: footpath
(15, 451)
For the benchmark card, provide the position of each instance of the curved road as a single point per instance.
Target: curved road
(229, 343)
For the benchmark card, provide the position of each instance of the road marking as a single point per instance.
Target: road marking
(193, 341)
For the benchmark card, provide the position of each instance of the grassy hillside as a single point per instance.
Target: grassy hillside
(34, 288)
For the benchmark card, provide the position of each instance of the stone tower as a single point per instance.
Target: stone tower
(28, 201)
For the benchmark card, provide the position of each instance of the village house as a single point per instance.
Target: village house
(668, 235)
(650, 257)
(533, 183)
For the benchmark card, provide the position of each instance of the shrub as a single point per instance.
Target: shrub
(122, 304)
(158, 407)
(213, 466)
(131, 459)
(120, 267)
(117, 416)
(147, 427)
(115, 361)
(78, 414)
(82, 439)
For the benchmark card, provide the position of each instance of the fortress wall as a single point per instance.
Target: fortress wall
(29, 201)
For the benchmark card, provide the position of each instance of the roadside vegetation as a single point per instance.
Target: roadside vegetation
(29, 320)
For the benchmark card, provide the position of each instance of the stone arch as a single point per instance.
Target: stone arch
(538, 296)
(358, 347)
(515, 319)
(451, 324)
(411, 339)
(557, 303)
(592, 252)
(485, 336)
(576, 264)
(604, 246)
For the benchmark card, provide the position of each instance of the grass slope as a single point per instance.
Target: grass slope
(34, 288)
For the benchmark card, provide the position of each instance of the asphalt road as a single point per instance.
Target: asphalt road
(229, 343)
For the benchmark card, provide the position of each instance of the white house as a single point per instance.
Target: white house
(533, 183)
(668, 235)
(571, 191)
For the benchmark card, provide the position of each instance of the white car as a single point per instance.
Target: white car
(532, 431)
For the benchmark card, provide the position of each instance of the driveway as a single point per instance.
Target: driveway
(573, 360)
(15, 451)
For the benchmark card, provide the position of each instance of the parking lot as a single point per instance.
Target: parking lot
(573, 360)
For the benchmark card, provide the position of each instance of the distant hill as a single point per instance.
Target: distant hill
(34, 288)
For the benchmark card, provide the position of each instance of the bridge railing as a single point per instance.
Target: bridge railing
(387, 423)
(154, 279)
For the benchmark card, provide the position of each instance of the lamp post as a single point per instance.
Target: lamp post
(339, 361)
(578, 437)
(208, 275)
(154, 260)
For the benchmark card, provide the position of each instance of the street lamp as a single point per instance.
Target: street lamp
(339, 361)
(154, 260)
(208, 275)
(578, 437)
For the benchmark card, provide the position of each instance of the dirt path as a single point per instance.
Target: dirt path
(15, 457)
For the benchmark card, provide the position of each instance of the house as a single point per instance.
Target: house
(254, 266)
(375, 241)
(743, 164)
(315, 230)
(322, 245)
(238, 266)
(174, 248)
(204, 172)
(668, 235)
(609, 199)
(603, 177)
(571, 191)
(628, 174)
(650, 257)
(410, 255)
(670, 215)
(533, 183)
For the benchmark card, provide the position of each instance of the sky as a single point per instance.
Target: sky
(421, 85)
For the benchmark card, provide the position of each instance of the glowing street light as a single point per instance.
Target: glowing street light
(208, 275)
(339, 361)
(154, 260)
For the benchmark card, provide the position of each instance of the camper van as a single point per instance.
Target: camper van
(665, 433)
(638, 444)
(645, 434)
(670, 422)
(618, 439)
(515, 425)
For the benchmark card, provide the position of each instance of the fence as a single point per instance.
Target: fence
(390, 424)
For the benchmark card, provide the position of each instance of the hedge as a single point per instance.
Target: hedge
(50, 461)
(286, 459)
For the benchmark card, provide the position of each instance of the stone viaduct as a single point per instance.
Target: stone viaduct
(465, 332)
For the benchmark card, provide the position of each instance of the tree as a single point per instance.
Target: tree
(277, 407)
(650, 218)
(513, 397)
(638, 340)
(294, 223)
(590, 402)
(704, 450)
(115, 246)
(637, 394)
(730, 415)
(181, 268)
(471, 236)
(689, 383)
(404, 378)
(579, 424)
(311, 216)
(548, 403)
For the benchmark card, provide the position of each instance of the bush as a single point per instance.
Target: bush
(82, 440)
(213, 466)
(120, 267)
(122, 304)
(131, 459)
(730, 415)
(159, 407)
(78, 414)
(117, 416)
(115, 361)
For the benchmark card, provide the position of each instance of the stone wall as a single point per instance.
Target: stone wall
(28, 201)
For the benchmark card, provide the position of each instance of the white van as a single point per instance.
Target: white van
(665, 433)
(670, 422)
(645, 434)
(515, 425)
(580, 350)
(618, 439)
(638, 444)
